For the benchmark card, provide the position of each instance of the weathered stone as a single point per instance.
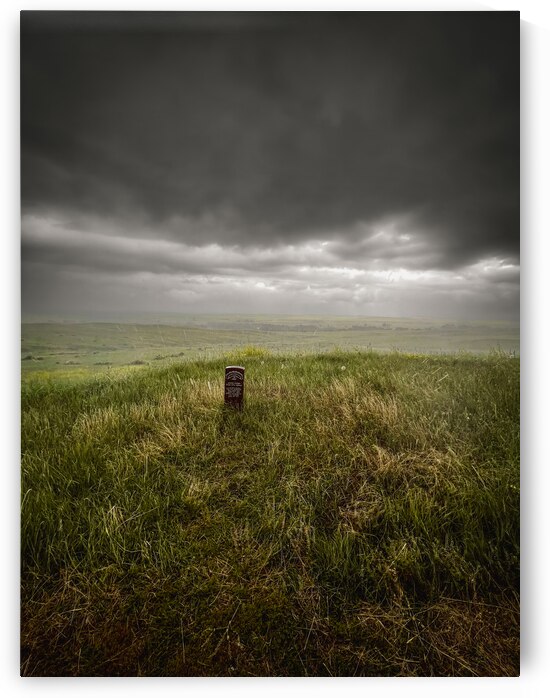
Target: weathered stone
(234, 386)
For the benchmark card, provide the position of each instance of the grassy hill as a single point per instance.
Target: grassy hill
(359, 517)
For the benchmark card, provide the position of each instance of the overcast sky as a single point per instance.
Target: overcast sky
(355, 163)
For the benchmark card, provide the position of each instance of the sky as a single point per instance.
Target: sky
(338, 163)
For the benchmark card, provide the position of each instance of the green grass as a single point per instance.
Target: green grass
(359, 517)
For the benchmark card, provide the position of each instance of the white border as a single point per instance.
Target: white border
(535, 36)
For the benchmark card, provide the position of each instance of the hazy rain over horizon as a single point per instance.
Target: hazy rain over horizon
(335, 163)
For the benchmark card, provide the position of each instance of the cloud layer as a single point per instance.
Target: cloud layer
(324, 155)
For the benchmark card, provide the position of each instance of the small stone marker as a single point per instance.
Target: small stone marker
(234, 386)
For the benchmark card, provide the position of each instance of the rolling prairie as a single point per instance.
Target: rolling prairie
(78, 348)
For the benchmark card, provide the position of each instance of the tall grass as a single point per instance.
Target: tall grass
(359, 517)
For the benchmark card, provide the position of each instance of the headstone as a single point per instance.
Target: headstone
(234, 386)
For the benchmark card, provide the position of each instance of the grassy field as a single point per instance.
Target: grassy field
(74, 349)
(360, 516)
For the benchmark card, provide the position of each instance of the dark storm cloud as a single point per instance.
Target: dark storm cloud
(274, 129)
